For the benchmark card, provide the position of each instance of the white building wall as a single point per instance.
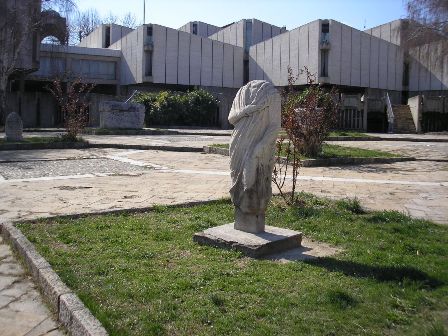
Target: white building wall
(172, 51)
(227, 79)
(268, 60)
(183, 64)
(335, 52)
(207, 62)
(284, 59)
(195, 60)
(159, 54)
(303, 54)
(374, 62)
(294, 50)
(252, 62)
(365, 60)
(218, 54)
(346, 55)
(313, 47)
(355, 76)
(276, 59)
(238, 71)
(95, 39)
(260, 61)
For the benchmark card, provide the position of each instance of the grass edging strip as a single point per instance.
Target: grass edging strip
(325, 162)
(71, 312)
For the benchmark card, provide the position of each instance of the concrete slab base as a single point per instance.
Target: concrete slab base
(273, 240)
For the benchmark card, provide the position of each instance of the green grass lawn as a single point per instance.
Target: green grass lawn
(341, 133)
(336, 151)
(354, 134)
(141, 274)
(40, 140)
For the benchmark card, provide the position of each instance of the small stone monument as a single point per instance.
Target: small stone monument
(256, 116)
(13, 127)
(115, 114)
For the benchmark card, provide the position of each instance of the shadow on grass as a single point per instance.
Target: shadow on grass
(379, 273)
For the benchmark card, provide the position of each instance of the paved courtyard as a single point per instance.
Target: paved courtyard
(45, 183)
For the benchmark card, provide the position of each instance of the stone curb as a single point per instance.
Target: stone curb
(83, 145)
(71, 312)
(325, 162)
(54, 145)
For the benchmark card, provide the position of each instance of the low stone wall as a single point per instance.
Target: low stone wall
(121, 115)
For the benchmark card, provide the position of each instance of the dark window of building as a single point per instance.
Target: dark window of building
(405, 74)
(149, 31)
(195, 28)
(148, 66)
(248, 36)
(107, 40)
(324, 63)
(325, 38)
(246, 71)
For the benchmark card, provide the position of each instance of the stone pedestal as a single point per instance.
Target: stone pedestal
(272, 240)
(249, 222)
(14, 127)
(121, 115)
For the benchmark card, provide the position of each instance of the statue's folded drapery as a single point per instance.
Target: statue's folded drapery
(255, 114)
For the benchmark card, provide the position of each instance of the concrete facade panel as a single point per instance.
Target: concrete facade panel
(383, 64)
(276, 60)
(267, 31)
(385, 32)
(334, 54)
(238, 69)
(391, 68)
(260, 61)
(313, 47)
(414, 69)
(183, 65)
(294, 50)
(424, 75)
(374, 58)
(399, 70)
(253, 63)
(195, 60)
(365, 59)
(436, 65)
(355, 78)
(218, 54)
(172, 52)
(240, 33)
(207, 62)
(228, 66)
(284, 60)
(346, 56)
(268, 60)
(257, 31)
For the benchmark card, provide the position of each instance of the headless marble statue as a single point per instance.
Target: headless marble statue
(255, 114)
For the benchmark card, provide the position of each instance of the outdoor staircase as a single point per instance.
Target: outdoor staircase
(403, 121)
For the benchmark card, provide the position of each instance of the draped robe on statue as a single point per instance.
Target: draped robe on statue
(255, 114)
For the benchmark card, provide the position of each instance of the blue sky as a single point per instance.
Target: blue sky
(289, 13)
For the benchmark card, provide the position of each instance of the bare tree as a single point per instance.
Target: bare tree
(110, 18)
(427, 22)
(129, 20)
(83, 23)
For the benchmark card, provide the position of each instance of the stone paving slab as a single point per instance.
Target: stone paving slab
(416, 188)
(22, 311)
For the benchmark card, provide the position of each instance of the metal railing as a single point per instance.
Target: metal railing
(390, 114)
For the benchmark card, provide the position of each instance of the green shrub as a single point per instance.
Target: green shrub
(192, 108)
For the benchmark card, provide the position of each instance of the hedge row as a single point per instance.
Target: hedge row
(166, 108)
